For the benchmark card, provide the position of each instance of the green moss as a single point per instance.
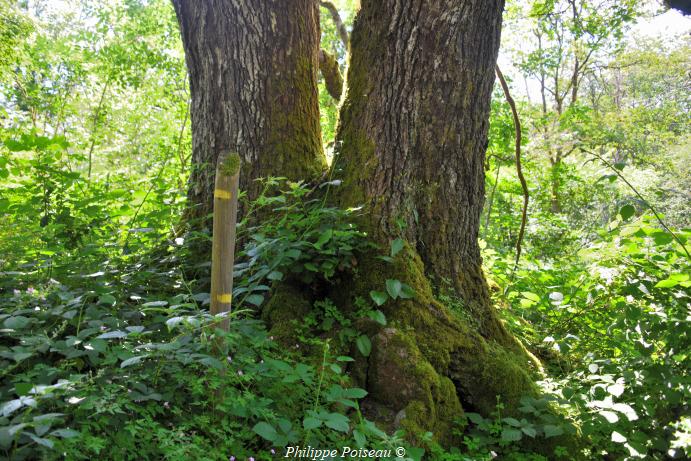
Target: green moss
(294, 134)
(230, 164)
(287, 305)
(428, 362)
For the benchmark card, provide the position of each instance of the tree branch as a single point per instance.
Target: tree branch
(340, 27)
(328, 65)
(638, 194)
(519, 169)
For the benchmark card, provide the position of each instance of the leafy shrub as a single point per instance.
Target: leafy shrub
(615, 331)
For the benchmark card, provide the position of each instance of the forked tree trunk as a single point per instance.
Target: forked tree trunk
(412, 136)
(252, 67)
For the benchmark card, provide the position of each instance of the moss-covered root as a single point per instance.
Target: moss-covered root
(288, 304)
(402, 380)
(429, 364)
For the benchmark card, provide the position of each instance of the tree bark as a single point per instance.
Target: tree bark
(252, 67)
(413, 129)
(412, 138)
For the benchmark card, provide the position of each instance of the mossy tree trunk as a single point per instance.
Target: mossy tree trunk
(253, 69)
(412, 135)
(413, 130)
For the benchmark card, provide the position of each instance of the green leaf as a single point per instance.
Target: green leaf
(396, 247)
(529, 431)
(173, 322)
(255, 299)
(323, 238)
(117, 334)
(667, 283)
(512, 422)
(379, 297)
(7, 434)
(552, 430)
(415, 453)
(107, 299)
(360, 438)
(475, 418)
(364, 345)
(378, 316)
(41, 441)
(345, 358)
(65, 433)
(266, 431)
(336, 368)
(132, 361)
(511, 435)
(293, 253)
(393, 287)
(627, 211)
(338, 422)
(311, 423)
(23, 388)
(16, 322)
(155, 304)
(212, 362)
(275, 275)
(354, 393)
(530, 295)
(662, 238)
(406, 292)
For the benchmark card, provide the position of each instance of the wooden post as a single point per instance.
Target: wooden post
(223, 243)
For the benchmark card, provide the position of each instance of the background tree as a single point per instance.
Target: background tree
(569, 36)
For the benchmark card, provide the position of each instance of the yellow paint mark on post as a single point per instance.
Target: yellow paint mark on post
(224, 298)
(222, 194)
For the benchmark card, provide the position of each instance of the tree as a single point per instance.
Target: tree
(568, 36)
(414, 129)
(412, 135)
(252, 71)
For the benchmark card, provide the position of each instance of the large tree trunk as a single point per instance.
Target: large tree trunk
(412, 136)
(414, 129)
(252, 67)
